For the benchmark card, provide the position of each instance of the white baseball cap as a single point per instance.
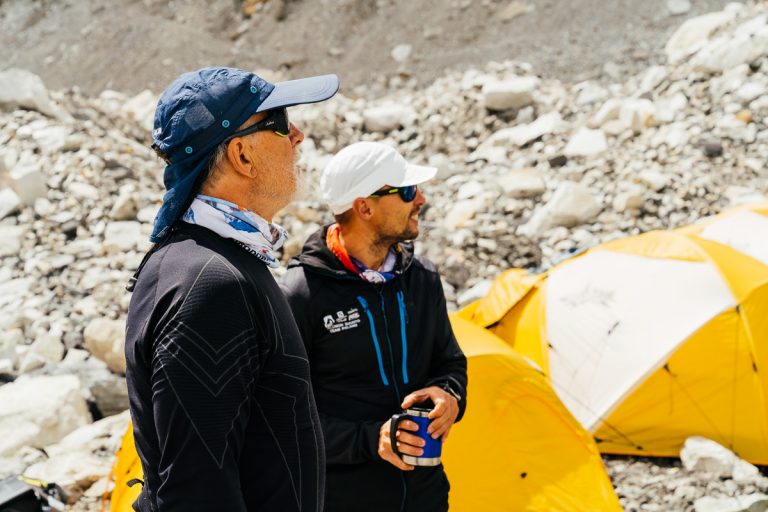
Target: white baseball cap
(362, 168)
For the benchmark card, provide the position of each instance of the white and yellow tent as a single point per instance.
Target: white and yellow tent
(653, 338)
(516, 449)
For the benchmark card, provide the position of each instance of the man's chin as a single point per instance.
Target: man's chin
(410, 234)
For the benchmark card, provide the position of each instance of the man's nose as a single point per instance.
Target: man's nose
(296, 135)
(420, 198)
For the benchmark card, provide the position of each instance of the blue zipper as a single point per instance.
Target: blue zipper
(403, 336)
(389, 345)
(364, 304)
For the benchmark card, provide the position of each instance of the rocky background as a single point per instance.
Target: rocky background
(532, 170)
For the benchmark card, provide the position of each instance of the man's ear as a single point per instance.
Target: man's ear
(239, 158)
(363, 208)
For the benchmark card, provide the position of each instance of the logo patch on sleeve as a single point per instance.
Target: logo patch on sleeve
(342, 321)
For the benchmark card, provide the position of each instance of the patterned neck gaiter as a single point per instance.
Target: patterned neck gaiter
(228, 220)
(336, 245)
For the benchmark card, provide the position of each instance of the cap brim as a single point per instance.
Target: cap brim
(415, 174)
(298, 92)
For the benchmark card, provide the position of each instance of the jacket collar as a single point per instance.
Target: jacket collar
(316, 256)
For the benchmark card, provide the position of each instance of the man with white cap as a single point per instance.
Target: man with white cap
(223, 410)
(374, 321)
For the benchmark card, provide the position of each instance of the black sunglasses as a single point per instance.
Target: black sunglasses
(276, 121)
(407, 194)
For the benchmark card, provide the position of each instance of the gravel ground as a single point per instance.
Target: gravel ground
(131, 45)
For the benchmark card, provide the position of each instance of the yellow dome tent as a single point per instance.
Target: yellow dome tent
(653, 338)
(516, 449)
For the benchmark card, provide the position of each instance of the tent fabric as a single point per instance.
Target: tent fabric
(127, 467)
(654, 338)
(516, 449)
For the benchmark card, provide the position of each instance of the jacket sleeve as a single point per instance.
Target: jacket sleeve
(449, 365)
(350, 442)
(204, 365)
(346, 442)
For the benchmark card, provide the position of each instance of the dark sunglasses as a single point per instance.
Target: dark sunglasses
(276, 121)
(407, 194)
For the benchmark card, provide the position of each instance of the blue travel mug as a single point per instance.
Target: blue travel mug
(432, 448)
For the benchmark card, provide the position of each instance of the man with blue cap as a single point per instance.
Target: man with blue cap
(223, 410)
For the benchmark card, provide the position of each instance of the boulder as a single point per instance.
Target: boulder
(401, 53)
(704, 455)
(388, 117)
(28, 180)
(513, 93)
(745, 45)
(141, 108)
(756, 502)
(586, 142)
(678, 7)
(654, 180)
(21, 88)
(39, 411)
(571, 204)
(522, 184)
(121, 236)
(126, 205)
(631, 199)
(46, 349)
(493, 149)
(607, 112)
(462, 212)
(105, 339)
(10, 202)
(11, 238)
(636, 114)
(693, 34)
(707, 456)
(51, 138)
(83, 457)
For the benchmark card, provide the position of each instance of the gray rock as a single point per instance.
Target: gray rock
(586, 142)
(678, 7)
(654, 180)
(122, 236)
(46, 349)
(105, 339)
(712, 148)
(9, 202)
(693, 34)
(141, 108)
(401, 53)
(513, 93)
(80, 459)
(756, 502)
(522, 184)
(745, 45)
(388, 117)
(571, 204)
(28, 180)
(11, 238)
(20, 88)
(40, 411)
(705, 455)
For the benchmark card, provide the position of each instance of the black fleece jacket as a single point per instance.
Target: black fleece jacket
(218, 381)
(369, 346)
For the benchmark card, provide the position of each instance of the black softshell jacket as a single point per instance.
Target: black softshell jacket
(218, 381)
(369, 346)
